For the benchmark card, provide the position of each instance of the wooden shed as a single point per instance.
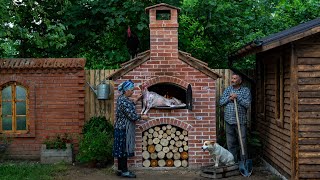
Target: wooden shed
(288, 98)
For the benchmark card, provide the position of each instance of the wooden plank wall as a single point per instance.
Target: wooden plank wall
(308, 53)
(276, 140)
(94, 107)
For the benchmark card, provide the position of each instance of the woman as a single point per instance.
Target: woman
(124, 128)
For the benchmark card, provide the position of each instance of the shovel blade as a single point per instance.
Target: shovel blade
(245, 167)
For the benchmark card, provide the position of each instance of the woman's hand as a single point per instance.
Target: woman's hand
(144, 117)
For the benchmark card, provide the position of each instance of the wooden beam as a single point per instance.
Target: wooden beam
(294, 115)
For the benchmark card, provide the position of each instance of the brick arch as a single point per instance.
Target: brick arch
(21, 80)
(159, 121)
(166, 79)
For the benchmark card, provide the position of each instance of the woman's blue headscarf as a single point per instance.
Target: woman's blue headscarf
(127, 85)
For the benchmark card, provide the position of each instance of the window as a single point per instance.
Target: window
(279, 90)
(13, 108)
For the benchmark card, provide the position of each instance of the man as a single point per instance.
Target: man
(243, 97)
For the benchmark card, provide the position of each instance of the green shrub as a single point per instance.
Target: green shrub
(96, 143)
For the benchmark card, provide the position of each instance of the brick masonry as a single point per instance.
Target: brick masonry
(164, 65)
(56, 100)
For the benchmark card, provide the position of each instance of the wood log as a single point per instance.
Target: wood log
(180, 149)
(150, 136)
(177, 163)
(144, 138)
(164, 142)
(178, 143)
(164, 128)
(160, 136)
(169, 138)
(168, 131)
(176, 155)
(184, 163)
(185, 148)
(164, 135)
(158, 147)
(157, 128)
(156, 140)
(172, 142)
(150, 141)
(146, 133)
(144, 143)
(176, 138)
(151, 130)
(178, 133)
(181, 137)
(154, 163)
(153, 155)
(144, 148)
(145, 155)
(173, 135)
(171, 147)
(173, 130)
(161, 163)
(151, 149)
(184, 132)
(169, 155)
(169, 162)
(185, 138)
(169, 126)
(146, 163)
(184, 143)
(184, 155)
(155, 134)
(165, 149)
(175, 149)
(161, 132)
(161, 155)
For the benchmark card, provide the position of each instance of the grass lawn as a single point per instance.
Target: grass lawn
(13, 170)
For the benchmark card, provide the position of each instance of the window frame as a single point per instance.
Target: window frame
(14, 101)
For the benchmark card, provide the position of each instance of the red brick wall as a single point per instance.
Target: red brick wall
(200, 122)
(56, 106)
(163, 36)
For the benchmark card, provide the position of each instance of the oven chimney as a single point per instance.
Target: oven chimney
(163, 32)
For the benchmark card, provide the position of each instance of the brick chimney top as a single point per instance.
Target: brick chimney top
(163, 31)
(161, 5)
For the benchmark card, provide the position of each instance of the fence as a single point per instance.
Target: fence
(94, 107)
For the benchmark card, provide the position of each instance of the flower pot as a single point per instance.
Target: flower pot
(50, 156)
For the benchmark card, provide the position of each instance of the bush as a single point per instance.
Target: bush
(96, 142)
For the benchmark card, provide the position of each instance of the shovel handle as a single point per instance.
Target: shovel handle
(238, 124)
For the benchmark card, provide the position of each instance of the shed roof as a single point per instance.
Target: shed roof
(145, 56)
(278, 39)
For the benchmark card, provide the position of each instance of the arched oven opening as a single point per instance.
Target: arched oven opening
(170, 91)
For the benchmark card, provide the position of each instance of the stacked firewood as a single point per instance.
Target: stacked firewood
(165, 146)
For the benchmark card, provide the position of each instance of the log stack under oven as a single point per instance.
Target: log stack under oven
(165, 146)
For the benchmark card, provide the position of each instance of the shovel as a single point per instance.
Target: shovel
(245, 165)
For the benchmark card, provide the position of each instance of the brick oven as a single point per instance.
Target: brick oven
(173, 136)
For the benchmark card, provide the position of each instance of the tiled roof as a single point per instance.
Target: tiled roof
(145, 56)
(42, 63)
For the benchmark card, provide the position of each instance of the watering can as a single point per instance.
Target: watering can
(103, 90)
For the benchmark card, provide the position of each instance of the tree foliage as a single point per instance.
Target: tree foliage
(95, 29)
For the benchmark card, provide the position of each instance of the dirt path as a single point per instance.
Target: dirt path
(84, 173)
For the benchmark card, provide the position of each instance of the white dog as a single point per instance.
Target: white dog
(218, 153)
